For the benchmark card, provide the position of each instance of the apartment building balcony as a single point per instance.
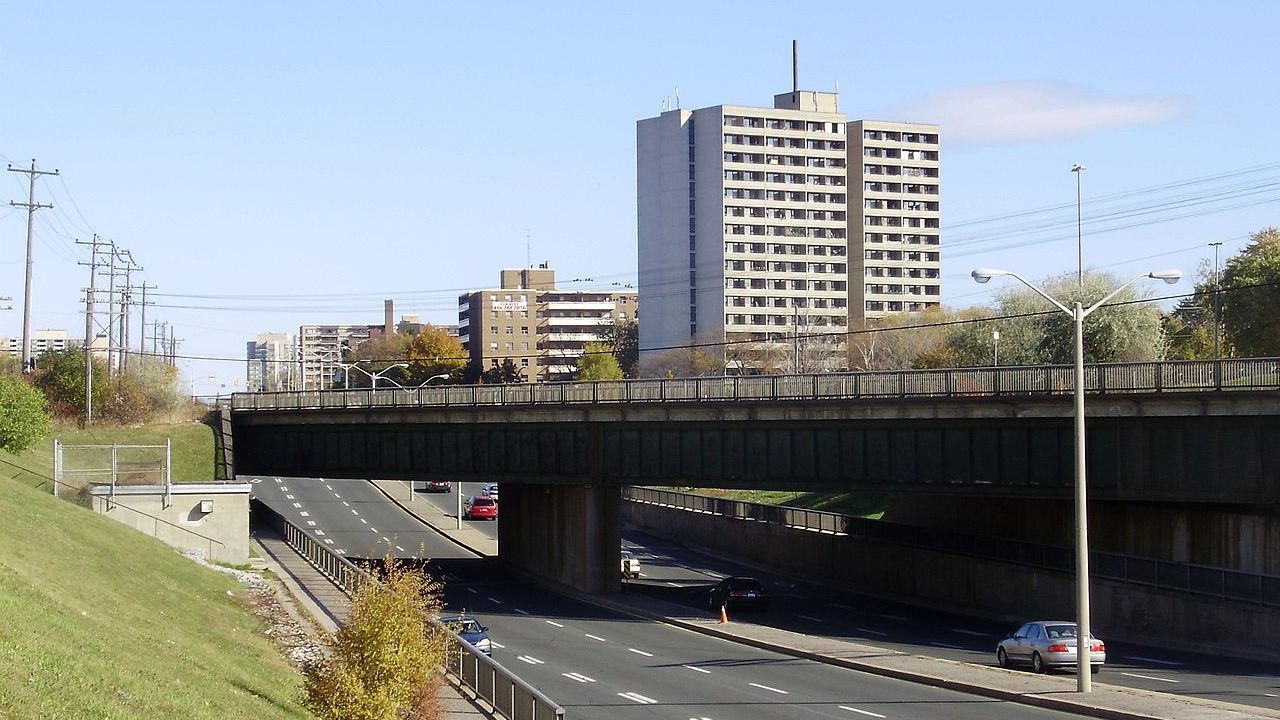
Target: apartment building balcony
(571, 306)
(572, 337)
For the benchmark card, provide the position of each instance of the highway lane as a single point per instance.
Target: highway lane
(682, 575)
(602, 664)
(447, 503)
(351, 517)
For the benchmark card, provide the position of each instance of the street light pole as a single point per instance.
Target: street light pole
(1079, 169)
(995, 358)
(1078, 314)
(1217, 301)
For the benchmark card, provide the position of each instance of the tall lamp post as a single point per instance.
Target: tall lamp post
(1217, 301)
(1079, 313)
(1079, 169)
(995, 353)
(373, 376)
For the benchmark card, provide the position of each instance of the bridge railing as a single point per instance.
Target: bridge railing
(504, 691)
(1227, 584)
(1110, 378)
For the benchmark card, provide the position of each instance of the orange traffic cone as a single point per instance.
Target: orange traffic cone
(724, 615)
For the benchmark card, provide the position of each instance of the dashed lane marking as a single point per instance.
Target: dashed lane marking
(897, 618)
(400, 548)
(946, 645)
(596, 637)
(355, 512)
(522, 612)
(869, 631)
(297, 505)
(320, 533)
(328, 541)
(290, 497)
(530, 659)
(346, 504)
(337, 496)
(304, 513)
(552, 622)
(495, 601)
(1170, 663)
(637, 697)
(810, 618)
(860, 712)
(770, 689)
(579, 677)
(697, 669)
(1149, 677)
(311, 523)
(497, 645)
(974, 633)
(640, 652)
(473, 591)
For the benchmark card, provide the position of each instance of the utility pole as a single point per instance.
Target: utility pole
(1217, 301)
(31, 205)
(88, 327)
(111, 313)
(126, 299)
(142, 334)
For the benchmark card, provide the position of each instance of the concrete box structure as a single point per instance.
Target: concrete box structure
(210, 518)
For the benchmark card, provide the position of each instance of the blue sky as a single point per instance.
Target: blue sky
(332, 155)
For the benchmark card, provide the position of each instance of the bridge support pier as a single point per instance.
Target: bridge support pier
(567, 534)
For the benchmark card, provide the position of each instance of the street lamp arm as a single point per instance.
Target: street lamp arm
(1169, 276)
(983, 275)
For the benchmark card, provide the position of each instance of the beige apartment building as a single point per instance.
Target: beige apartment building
(782, 228)
(540, 328)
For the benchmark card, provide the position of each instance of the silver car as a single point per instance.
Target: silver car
(1045, 645)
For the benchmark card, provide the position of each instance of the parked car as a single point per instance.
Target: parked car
(478, 507)
(739, 593)
(439, 486)
(630, 565)
(1047, 644)
(469, 629)
(490, 490)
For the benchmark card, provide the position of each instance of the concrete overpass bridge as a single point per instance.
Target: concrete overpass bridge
(1181, 454)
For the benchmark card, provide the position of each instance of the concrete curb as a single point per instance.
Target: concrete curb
(425, 521)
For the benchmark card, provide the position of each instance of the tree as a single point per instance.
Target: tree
(24, 418)
(598, 363)
(703, 356)
(1189, 328)
(1250, 296)
(623, 337)
(385, 659)
(505, 373)
(60, 376)
(433, 351)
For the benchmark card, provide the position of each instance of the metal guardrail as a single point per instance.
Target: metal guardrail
(1222, 583)
(504, 691)
(1111, 378)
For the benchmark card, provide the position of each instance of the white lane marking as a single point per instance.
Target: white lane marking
(346, 504)
(637, 697)
(810, 618)
(945, 645)
(860, 712)
(522, 612)
(770, 689)
(530, 659)
(342, 551)
(398, 547)
(297, 505)
(366, 522)
(1150, 677)
(640, 652)
(284, 488)
(328, 541)
(974, 633)
(304, 513)
(320, 532)
(1139, 658)
(474, 591)
(898, 618)
(673, 584)
(869, 631)
(596, 637)
(578, 676)
(552, 622)
(355, 512)
(278, 480)
(697, 669)
(373, 528)
(497, 645)
(495, 601)
(290, 497)
(337, 496)
(1270, 694)
(311, 523)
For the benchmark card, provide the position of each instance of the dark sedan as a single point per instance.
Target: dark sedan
(737, 593)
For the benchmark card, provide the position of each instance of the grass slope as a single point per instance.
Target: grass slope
(191, 447)
(99, 621)
(869, 505)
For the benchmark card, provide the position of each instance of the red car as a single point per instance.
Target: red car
(480, 508)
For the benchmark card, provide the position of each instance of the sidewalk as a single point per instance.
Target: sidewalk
(1052, 692)
(328, 606)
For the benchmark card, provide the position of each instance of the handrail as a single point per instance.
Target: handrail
(506, 693)
(1233, 374)
(1259, 588)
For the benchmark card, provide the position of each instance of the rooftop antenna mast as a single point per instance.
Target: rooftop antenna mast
(795, 68)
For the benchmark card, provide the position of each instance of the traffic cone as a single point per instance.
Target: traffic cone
(724, 615)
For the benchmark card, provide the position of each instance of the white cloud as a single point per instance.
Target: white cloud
(1027, 111)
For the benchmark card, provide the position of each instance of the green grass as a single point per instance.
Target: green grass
(192, 449)
(868, 505)
(100, 621)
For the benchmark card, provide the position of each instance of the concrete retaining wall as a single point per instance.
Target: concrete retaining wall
(178, 517)
(986, 588)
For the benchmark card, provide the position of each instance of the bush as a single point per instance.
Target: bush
(386, 660)
(24, 418)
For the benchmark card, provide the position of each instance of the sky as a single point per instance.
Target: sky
(277, 164)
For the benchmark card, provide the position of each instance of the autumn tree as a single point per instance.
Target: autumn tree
(623, 338)
(1251, 295)
(434, 351)
(598, 363)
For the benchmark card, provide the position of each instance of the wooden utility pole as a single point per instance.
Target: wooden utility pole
(31, 205)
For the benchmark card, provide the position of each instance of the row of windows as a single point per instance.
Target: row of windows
(760, 123)
(784, 213)
(909, 239)
(783, 195)
(900, 255)
(776, 284)
(763, 283)
(780, 249)
(897, 272)
(912, 188)
(893, 136)
(884, 221)
(770, 141)
(903, 170)
(896, 154)
(790, 178)
(781, 231)
(783, 267)
(899, 306)
(891, 289)
(786, 320)
(782, 302)
(913, 205)
(790, 160)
